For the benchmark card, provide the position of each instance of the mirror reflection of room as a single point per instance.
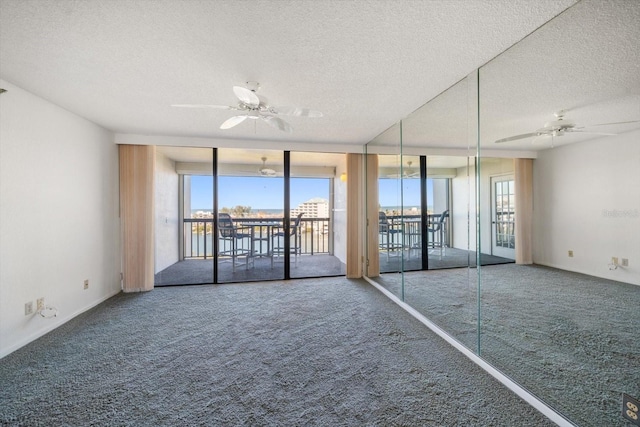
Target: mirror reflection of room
(542, 171)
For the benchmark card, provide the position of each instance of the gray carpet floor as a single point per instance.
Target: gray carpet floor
(569, 338)
(326, 352)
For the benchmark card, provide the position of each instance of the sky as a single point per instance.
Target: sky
(389, 192)
(267, 193)
(257, 192)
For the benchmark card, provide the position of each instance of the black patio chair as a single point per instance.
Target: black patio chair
(231, 241)
(278, 237)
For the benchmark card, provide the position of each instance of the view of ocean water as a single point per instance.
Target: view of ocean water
(200, 244)
(253, 210)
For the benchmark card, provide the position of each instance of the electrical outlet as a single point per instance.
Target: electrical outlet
(28, 308)
(86, 284)
(570, 254)
(40, 304)
(614, 260)
(631, 409)
(625, 262)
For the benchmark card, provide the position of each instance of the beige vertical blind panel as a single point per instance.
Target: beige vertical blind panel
(524, 210)
(355, 214)
(372, 254)
(137, 167)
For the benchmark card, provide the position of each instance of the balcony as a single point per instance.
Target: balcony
(401, 249)
(263, 259)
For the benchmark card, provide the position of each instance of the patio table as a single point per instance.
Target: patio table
(257, 229)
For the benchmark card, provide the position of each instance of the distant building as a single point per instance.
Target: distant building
(314, 208)
(201, 214)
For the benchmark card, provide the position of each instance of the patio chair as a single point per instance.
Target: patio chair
(412, 234)
(232, 238)
(389, 236)
(278, 237)
(438, 229)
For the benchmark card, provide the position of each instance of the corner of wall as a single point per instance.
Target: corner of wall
(59, 215)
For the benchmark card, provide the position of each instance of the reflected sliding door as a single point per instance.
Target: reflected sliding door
(503, 217)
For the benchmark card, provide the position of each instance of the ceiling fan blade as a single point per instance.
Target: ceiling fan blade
(278, 123)
(217, 107)
(590, 133)
(297, 112)
(233, 121)
(246, 96)
(516, 137)
(614, 123)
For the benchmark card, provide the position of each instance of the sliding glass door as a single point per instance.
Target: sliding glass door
(227, 215)
(184, 208)
(317, 214)
(251, 214)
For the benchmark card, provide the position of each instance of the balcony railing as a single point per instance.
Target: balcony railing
(410, 224)
(315, 235)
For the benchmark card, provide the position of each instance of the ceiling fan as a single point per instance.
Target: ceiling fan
(264, 170)
(407, 172)
(559, 127)
(410, 173)
(252, 106)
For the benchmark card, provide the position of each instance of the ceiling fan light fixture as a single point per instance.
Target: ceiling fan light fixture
(264, 170)
(253, 86)
(257, 107)
(559, 127)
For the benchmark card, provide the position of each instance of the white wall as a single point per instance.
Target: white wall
(58, 215)
(166, 212)
(587, 199)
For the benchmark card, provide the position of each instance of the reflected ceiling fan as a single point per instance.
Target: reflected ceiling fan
(264, 170)
(407, 172)
(252, 106)
(559, 127)
(410, 173)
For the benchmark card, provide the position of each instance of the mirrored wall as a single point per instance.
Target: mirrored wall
(425, 218)
(538, 155)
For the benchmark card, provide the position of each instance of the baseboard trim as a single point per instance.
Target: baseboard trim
(502, 378)
(590, 273)
(62, 321)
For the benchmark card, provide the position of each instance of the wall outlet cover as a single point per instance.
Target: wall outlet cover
(28, 308)
(631, 409)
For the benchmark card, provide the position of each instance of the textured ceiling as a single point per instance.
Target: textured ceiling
(586, 62)
(364, 64)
